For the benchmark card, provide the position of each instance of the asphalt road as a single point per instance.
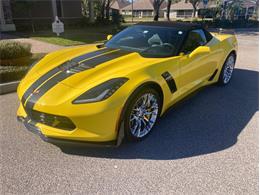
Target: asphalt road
(207, 145)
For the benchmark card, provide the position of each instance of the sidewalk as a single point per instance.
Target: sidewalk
(37, 46)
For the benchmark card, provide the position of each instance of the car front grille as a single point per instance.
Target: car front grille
(55, 121)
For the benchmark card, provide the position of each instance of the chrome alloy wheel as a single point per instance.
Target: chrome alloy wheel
(144, 115)
(228, 69)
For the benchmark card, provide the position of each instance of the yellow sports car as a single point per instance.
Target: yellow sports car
(102, 93)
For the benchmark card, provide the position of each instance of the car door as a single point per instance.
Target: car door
(196, 64)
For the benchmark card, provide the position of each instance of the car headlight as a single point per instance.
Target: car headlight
(100, 92)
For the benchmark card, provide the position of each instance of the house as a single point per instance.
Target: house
(119, 5)
(141, 8)
(185, 10)
(182, 10)
(6, 20)
(248, 9)
(20, 14)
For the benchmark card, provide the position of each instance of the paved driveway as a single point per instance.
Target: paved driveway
(37, 46)
(40, 46)
(207, 145)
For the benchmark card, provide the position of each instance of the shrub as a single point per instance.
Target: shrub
(12, 73)
(195, 20)
(227, 24)
(17, 71)
(14, 50)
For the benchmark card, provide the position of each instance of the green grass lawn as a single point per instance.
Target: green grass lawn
(91, 34)
(15, 72)
(76, 36)
(69, 38)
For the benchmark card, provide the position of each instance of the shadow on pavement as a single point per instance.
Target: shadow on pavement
(247, 32)
(209, 122)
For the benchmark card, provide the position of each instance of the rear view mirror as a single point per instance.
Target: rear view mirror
(109, 37)
(200, 50)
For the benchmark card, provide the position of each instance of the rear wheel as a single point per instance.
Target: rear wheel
(142, 114)
(227, 70)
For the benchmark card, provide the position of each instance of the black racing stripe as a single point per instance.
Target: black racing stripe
(63, 75)
(92, 54)
(37, 83)
(93, 62)
(43, 89)
(52, 72)
(108, 57)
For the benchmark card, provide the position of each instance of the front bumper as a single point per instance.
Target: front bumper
(31, 126)
(94, 122)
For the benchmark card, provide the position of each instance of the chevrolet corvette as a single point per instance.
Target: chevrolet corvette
(104, 93)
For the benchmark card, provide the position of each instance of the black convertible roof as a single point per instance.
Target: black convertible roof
(178, 25)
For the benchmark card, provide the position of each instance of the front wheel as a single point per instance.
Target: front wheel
(227, 70)
(142, 114)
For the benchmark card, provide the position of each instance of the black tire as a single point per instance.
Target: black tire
(221, 80)
(132, 101)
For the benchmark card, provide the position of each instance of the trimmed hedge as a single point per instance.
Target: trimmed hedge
(17, 71)
(14, 50)
(12, 73)
(227, 24)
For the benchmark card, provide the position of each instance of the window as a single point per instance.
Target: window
(208, 35)
(149, 41)
(184, 13)
(195, 39)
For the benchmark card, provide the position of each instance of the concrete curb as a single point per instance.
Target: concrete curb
(8, 87)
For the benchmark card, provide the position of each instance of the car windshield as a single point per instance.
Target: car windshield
(149, 41)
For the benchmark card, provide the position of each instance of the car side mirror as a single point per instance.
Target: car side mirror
(199, 51)
(182, 54)
(109, 37)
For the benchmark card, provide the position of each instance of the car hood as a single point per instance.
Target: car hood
(76, 67)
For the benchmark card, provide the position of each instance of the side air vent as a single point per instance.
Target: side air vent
(170, 81)
(213, 75)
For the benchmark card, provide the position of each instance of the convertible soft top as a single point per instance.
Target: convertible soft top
(178, 25)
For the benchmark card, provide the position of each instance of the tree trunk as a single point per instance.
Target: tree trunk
(224, 12)
(156, 15)
(102, 11)
(156, 7)
(168, 9)
(194, 10)
(256, 9)
(91, 11)
(107, 9)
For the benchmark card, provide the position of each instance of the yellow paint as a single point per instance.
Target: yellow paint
(99, 121)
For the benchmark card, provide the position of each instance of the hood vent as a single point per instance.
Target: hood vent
(72, 67)
(79, 68)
